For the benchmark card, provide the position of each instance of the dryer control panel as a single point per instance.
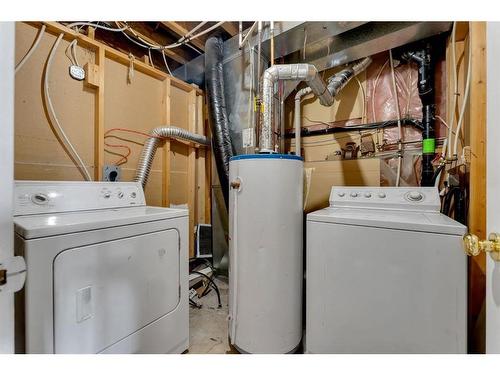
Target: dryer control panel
(393, 198)
(40, 197)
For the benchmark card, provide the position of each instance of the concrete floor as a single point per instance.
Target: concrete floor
(208, 325)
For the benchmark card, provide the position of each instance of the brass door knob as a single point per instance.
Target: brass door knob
(473, 247)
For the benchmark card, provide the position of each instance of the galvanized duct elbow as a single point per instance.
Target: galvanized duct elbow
(293, 72)
(158, 135)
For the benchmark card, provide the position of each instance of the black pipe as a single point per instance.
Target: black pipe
(374, 125)
(423, 59)
(219, 123)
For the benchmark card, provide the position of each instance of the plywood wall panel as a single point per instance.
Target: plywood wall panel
(35, 141)
(136, 105)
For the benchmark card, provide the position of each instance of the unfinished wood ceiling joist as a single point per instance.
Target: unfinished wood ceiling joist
(180, 30)
(160, 33)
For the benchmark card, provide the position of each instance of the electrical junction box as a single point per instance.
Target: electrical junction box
(77, 72)
(111, 173)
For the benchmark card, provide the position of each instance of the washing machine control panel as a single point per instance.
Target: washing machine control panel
(410, 198)
(38, 197)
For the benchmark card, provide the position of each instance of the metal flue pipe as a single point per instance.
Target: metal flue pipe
(293, 72)
(158, 135)
(335, 84)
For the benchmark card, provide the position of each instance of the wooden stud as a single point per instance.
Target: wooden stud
(477, 104)
(477, 184)
(166, 147)
(91, 32)
(191, 171)
(208, 168)
(99, 117)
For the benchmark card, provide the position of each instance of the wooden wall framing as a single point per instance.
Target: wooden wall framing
(193, 181)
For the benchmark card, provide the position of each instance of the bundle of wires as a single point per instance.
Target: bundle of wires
(211, 282)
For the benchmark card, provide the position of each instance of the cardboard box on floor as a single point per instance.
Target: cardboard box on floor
(320, 176)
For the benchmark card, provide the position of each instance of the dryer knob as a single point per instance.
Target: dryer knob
(415, 196)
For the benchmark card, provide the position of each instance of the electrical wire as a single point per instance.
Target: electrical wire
(363, 116)
(53, 117)
(97, 26)
(455, 86)
(216, 288)
(375, 83)
(132, 131)
(465, 98)
(150, 58)
(31, 50)
(400, 135)
(170, 46)
(72, 52)
(165, 61)
(124, 158)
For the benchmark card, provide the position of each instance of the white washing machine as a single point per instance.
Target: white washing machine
(105, 272)
(385, 273)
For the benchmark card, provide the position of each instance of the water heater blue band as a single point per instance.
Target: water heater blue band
(265, 156)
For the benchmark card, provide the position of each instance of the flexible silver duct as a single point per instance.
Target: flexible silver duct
(294, 72)
(340, 80)
(335, 84)
(152, 143)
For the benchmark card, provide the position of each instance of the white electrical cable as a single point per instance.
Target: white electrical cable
(455, 87)
(400, 135)
(73, 51)
(192, 31)
(31, 50)
(97, 26)
(53, 117)
(465, 98)
(174, 45)
(443, 155)
(363, 116)
(400, 156)
(150, 58)
(375, 83)
(165, 61)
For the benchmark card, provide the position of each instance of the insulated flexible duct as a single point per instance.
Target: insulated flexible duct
(152, 143)
(219, 122)
(426, 93)
(335, 84)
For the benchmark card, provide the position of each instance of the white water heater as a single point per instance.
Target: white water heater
(265, 251)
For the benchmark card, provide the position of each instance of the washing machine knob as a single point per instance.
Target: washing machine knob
(368, 195)
(341, 194)
(354, 194)
(381, 195)
(415, 196)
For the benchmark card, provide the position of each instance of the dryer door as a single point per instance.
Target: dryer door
(107, 291)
